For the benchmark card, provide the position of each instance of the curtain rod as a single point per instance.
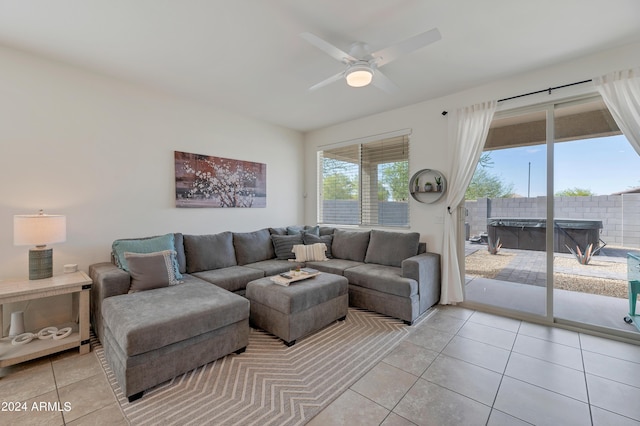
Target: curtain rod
(539, 91)
(545, 90)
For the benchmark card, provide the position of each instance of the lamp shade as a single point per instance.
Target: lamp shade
(39, 229)
(359, 76)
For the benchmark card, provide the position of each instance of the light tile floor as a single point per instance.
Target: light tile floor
(462, 367)
(459, 367)
(63, 389)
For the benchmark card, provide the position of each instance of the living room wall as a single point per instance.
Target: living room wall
(428, 142)
(100, 151)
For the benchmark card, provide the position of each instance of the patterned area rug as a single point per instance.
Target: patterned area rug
(269, 384)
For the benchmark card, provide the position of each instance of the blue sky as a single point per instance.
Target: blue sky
(602, 165)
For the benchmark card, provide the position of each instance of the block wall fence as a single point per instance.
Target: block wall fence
(620, 214)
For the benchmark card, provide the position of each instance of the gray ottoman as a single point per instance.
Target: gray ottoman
(299, 309)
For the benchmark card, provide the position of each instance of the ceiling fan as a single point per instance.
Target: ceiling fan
(362, 65)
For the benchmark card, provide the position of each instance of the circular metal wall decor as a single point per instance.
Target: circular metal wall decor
(427, 186)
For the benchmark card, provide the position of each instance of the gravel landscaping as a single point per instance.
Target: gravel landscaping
(574, 276)
(483, 264)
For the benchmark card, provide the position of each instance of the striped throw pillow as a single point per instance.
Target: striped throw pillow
(312, 252)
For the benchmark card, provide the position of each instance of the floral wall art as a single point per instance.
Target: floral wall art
(206, 181)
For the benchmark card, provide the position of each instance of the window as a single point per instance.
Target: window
(365, 183)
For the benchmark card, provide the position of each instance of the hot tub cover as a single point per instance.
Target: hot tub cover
(523, 222)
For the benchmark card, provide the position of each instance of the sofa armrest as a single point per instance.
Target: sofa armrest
(108, 281)
(425, 269)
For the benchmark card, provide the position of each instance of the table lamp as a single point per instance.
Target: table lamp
(39, 230)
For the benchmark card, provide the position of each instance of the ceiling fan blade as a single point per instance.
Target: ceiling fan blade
(391, 53)
(328, 81)
(383, 82)
(328, 48)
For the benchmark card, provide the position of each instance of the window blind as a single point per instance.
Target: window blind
(365, 184)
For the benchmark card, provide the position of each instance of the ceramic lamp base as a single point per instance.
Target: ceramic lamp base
(40, 263)
(17, 324)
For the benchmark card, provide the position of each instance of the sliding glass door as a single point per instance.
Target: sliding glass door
(595, 194)
(506, 209)
(552, 212)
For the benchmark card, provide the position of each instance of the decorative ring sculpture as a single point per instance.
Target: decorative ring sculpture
(62, 333)
(44, 334)
(47, 333)
(23, 338)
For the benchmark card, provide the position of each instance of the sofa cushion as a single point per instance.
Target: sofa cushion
(385, 279)
(143, 245)
(232, 278)
(151, 270)
(148, 320)
(253, 246)
(350, 245)
(206, 252)
(334, 266)
(283, 244)
(274, 266)
(391, 248)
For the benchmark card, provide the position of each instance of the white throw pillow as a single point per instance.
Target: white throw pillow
(310, 253)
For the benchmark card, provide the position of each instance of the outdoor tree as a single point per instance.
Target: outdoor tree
(338, 186)
(396, 178)
(383, 193)
(339, 179)
(487, 185)
(575, 192)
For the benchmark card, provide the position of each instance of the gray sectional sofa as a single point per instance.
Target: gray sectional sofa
(152, 336)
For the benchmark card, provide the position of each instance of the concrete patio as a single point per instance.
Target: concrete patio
(520, 287)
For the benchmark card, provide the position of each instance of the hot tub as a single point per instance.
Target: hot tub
(530, 233)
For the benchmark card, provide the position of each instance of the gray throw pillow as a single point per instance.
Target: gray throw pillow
(327, 230)
(294, 230)
(391, 248)
(350, 245)
(151, 270)
(278, 231)
(315, 230)
(207, 252)
(283, 244)
(144, 245)
(253, 246)
(309, 239)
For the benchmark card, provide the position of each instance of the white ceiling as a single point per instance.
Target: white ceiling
(247, 56)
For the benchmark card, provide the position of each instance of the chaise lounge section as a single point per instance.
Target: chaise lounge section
(150, 337)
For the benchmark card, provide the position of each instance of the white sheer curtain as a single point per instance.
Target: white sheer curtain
(469, 133)
(621, 93)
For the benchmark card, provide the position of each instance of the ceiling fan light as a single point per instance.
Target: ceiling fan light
(359, 76)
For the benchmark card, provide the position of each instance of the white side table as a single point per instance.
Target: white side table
(76, 283)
